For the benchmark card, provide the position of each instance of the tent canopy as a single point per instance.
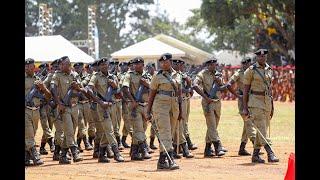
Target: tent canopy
(148, 49)
(230, 57)
(49, 48)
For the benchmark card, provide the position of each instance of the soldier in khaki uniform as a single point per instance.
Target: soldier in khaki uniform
(206, 79)
(47, 136)
(248, 130)
(127, 123)
(258, 103)
(53, 113)
(176, 65)
(101, 83)
(62, 86)
(135, 86)
(165, 101)
(84, 108)
(34, 91)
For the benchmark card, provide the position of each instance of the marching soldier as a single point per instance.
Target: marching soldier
(206, 79)
(34, 91)
(248, 130)
(101, 82)
(177, 64)
(84, 117)
(258, 103)
(165, 101)
(63, 84)
(127, 123)
(47, 136)
(136, 85)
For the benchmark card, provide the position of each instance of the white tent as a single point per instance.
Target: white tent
(229, 57)
(148, 49)
(49, 48)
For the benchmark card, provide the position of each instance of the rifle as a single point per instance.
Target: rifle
(34, 92)
(138, 95)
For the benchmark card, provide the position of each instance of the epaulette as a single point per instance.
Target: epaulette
(253, 66)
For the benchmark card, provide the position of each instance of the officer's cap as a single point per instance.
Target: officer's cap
(43, 65)
(165, 56)
(78, 64)
(246, 60)
(178, 61)
(103, 60)
(55, 62)
(113, 61)
(123, 63)
(212, 59)
(261, 52)
(95, 62)
(138, 60)
(29, 61)
(151, 64)
(130, 62)
(64, 58)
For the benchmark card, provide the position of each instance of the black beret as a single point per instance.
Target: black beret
(114, 61)
(43, 65)
(130, 62)
(64, 58)
(261, 51)
(78, 64)
(211, 60)
(177, 61)
(165, 56)
(246, 60)
(55, 62)
(151, 64)
(103, 60)
(123, 63)
(138, 60)
(29, 61)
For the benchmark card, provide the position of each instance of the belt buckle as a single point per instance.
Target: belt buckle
(266, 93)
(172, 94)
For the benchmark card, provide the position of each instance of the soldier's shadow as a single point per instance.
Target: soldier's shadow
(253, 164)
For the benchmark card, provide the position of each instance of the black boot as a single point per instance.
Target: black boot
(271, 156)
(43, 150)
(150, 151)
(135, 155)
(123, 141)
(175, 155)
(144, 150)
(255, 156)
(79, 145)
(208, 151)
(27, 159)
(56, 153)
(162, 163)
(172, 163)
(51, 144)
(96, 150)
(190, 145)
(217, 148)
(185, 151)
(110, 153)
(75, 154)
(63, 156)
(87, 145)
(117, 155)
(91, 138)
(152, 146)
(242, 150)
(120, 147)
(35, 156)
(102, 155)
(252, 140)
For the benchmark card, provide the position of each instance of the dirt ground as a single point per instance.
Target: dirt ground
(230, 166)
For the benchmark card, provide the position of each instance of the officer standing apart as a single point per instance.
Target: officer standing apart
(34, 91)
(248, 130)
(258, 103)
(165, 101)
(205, 79)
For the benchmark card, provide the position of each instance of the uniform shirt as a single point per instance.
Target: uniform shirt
(184, 85)
(204, 79)
(28, 83)
(252, 78)
(237, 77)
(160, 82)
(100, 82)
(63, 82)
(132, 81)
(48, 80)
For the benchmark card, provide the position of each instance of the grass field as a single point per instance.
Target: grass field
(230, 166)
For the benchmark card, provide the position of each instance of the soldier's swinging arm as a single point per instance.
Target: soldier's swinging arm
(150, 103)
(245, 98)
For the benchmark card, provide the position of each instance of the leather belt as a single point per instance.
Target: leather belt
(260, 93)
(33, 108)
(167, 93)
(143, 103)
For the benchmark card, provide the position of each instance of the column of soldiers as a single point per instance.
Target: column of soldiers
(92, 101)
